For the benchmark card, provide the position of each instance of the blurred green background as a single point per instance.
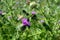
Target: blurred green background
(48, 10)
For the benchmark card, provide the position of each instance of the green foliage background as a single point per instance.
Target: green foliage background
(10, 28)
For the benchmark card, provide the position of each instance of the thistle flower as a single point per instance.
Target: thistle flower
(0, 12)
(25, 22)
(33, 12)
(34, 16)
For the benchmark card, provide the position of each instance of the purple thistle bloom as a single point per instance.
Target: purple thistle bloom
(0, 12)
(25, 22)
(33, 12)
